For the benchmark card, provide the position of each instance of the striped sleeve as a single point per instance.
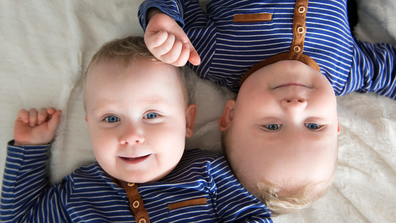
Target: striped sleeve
(200, 30)
(373, 69)
(174, 9)
(233, 202)
(26, 195)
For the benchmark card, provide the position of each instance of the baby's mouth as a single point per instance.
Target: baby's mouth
(290, 84)
(134, 160)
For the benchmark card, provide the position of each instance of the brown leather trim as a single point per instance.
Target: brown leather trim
(187, 203)
(309, 61)
(297, 45)
(278, 57)
(259, 17)
(136, 203)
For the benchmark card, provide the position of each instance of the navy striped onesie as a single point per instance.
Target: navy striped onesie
(228, 49)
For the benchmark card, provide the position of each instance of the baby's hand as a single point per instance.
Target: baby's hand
(167, 41)
(36, 127)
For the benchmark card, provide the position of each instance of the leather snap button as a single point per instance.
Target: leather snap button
(142, 220)
(297, 49)
(300, 30)
(301, 9)
(131, 184)
(136, 204)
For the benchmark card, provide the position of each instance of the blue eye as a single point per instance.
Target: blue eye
(151, 115)
(312, 126)
(112, 119)
(273, 127)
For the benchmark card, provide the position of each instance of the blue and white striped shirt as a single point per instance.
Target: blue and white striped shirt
(228, 49)
(90, 195)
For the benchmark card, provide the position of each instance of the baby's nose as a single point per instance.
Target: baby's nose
(299, 100)
(132, 141)
(294, 104)
(131, 135)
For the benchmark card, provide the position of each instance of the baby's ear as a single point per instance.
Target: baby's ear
(86, 118)
(191, 114)
(227, 116)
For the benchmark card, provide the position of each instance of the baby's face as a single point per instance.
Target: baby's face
(136, 118)
(283, 126)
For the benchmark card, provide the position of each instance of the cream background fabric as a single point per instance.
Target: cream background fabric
(45, 47)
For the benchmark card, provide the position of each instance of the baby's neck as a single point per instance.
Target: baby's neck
(117, 181)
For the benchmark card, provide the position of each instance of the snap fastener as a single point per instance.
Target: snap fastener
(142, 220)
(300, 30)
(301, 9)
(131, 184)
(297, 49)
(135, 204)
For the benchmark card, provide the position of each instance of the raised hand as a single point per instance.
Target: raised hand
(36, 127)
(167, 41)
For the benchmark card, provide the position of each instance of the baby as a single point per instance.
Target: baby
(138, 116)
(280, 134)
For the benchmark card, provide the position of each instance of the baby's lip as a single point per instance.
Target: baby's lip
(290, 84)
(135, 159)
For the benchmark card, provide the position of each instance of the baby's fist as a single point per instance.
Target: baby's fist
(36, 127)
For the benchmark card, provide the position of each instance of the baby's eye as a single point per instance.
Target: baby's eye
(151, 115)
(112, 119)
(273, 127)
(313, 126)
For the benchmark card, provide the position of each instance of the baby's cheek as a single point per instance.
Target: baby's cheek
(175, 129)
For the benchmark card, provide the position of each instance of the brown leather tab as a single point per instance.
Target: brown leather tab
(309, 61)
(297, 45)
(187, 203)
(299, 29)
(276, 58)
(136, 203)
(259, 17)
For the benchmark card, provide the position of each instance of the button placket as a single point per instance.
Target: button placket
(136, 203)
(301, 9)
(299, 30)
(297, 49)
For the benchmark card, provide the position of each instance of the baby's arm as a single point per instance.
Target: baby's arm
(26, 194)
(233, 202)
(373, 69)
(167, 41)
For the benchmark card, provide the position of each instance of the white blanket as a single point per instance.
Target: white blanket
(45, 46)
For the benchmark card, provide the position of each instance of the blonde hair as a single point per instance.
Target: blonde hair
(301, 198)
(282, 201)
(125, 50)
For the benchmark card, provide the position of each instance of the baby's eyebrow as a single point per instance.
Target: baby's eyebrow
(156, 100)
(101, 108)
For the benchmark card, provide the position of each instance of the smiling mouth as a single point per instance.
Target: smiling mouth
(290, 84)
(134, 160)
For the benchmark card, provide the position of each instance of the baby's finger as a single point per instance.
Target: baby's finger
(42, 116)
(23, 115)
(51, 110)
(165, 47)
(174, 54)
(54, 120)
(194, 56)
(32, 117)
(183, 56)
(154, 40)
